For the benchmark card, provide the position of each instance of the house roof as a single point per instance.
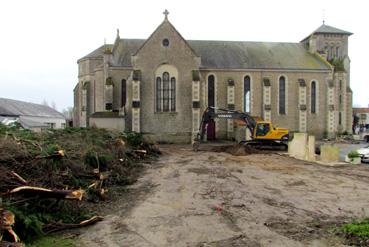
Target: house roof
(233, 55)
(10, 107)
(360, 110)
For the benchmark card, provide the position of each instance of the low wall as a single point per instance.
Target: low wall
(108, 123)
(302, 147)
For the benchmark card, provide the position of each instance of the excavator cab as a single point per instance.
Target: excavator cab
(265, 131)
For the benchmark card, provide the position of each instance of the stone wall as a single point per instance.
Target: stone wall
(148, 59)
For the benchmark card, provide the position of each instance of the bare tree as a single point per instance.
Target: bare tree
(44, 102)
(68, 112)
(53, 105)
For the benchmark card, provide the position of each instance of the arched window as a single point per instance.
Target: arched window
(173, 94)
(123, 96)
(313, 97)
(282, 95)
(109, 94)
(165, 93)
(246, 93)
(211, 90)
(158, 94)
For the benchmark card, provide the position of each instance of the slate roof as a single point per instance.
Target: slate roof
(328, 29)
(325, 29)
(255, 55)
(10, 107)
(233, 55)
(98, 52)
(125, 49)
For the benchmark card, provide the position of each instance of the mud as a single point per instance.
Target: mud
(209, 198)
(237, 150)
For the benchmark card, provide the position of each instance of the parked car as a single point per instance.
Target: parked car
(364, 154)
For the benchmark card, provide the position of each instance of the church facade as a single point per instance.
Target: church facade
(160, 86)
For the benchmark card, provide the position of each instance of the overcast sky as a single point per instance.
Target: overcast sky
(41, 40)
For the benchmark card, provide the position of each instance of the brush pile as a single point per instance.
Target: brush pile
(49, 180)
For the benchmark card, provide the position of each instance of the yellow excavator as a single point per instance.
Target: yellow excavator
(263, 134)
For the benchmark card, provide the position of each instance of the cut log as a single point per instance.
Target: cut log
(47, 193)
(18, 177)
(58, 226)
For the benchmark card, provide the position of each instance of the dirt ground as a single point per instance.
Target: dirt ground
(218, 199)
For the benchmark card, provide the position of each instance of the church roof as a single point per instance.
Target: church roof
(255, 55)
(232, 55)
(98, 52)
(331, 30)
(325, 29)
(10, 107)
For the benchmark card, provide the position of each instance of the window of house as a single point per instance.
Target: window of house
(282, 95)
(340, 99)
(165, 93)
(313, 97)
(246, 93)
(340, 84)
(337, 51)
(123, 99)
(50, 125)
(340, 118)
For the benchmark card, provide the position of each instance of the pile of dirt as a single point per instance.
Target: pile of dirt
(237, 150)
(49, 181)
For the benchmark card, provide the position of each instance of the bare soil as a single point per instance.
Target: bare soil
(214, 198)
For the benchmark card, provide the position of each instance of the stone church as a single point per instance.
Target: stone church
(161, 85)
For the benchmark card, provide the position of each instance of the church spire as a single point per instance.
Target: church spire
(118, 37)
(166, 13)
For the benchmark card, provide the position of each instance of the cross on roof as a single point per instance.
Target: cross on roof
(166, 13)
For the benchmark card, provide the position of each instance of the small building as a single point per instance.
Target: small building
(30, 115)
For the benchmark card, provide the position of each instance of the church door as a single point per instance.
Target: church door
(211, 100)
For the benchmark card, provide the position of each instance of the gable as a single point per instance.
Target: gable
(176, 43)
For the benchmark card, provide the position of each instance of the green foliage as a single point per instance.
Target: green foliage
(357, 228)
(338, 64)
(85, 148)
(353, 154)
(134, 139)
(30, 218)
(95, 160)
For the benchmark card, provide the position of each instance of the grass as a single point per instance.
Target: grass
(358, 229)
(54, 241)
